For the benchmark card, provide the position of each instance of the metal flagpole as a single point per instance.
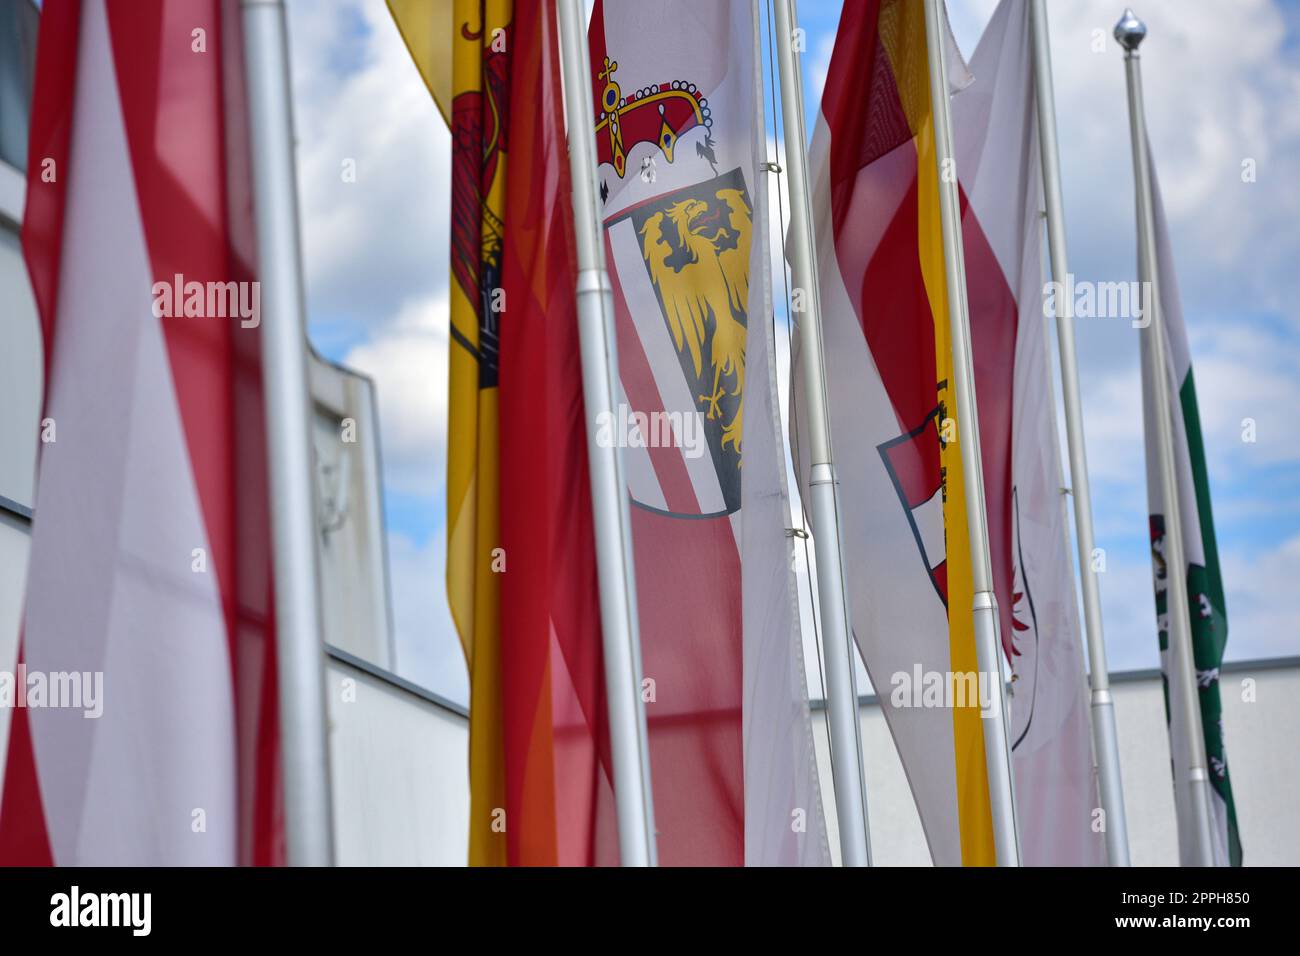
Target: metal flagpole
(1104, 735)
(300, 660)
(823, 492)
(1130, 32)
(618, 607)
(988, 646)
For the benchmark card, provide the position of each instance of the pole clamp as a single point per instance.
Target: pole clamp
(593, 280)
(822, 474)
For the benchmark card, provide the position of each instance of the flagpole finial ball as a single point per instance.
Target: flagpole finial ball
(1130, 31)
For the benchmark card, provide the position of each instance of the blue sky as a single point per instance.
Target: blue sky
(1222, 80)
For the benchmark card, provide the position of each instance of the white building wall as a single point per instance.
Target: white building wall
(1263, 758)
(14, 541)
(401, 792)
(1263, 739)
(400, 762)
(21, 369)
(351, 545)
(21, 375)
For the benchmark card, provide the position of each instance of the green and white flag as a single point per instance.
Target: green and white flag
(1207, 611)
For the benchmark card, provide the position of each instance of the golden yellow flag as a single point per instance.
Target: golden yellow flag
(461, 50)
(902, 34)
(425, 25)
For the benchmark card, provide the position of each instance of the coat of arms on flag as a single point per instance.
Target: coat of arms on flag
(695, 243)
(678, 121)
(912, 461)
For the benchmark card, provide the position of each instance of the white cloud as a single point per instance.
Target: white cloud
(1241, 372)
(376, 254)
(1246, 372)
(1112, 422)
(407, 358)
(1128, 607)
(821, 65)
(372, 244)
(376, 250)
(1263, 603)
(428, 651)
(1216, 94)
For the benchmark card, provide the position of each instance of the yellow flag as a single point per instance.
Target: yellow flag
(902, 34)
(460, 48)
(425, 25)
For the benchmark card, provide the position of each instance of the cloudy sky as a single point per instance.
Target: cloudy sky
(1222, 81)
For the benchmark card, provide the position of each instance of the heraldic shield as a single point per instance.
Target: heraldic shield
(694, 243)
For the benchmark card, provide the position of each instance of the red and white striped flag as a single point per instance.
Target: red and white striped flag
(150, 560)
(885, 315)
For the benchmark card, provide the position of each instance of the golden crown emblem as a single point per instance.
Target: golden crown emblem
(659, 114)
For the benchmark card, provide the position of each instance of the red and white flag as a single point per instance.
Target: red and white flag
(884, 307)
(996, 132)
(150, 570)
(680, 142)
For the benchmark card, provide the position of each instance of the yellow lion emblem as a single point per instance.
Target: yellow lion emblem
(697, 251)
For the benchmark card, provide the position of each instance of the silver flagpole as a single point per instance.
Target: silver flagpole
(618, 607)
(988, 646)
(300, 659)
(1130, 32)
(1104, 736)
(823, 492)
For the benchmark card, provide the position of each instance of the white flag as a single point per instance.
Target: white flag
(680, 143)
(889, 372)
(1207, 611)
